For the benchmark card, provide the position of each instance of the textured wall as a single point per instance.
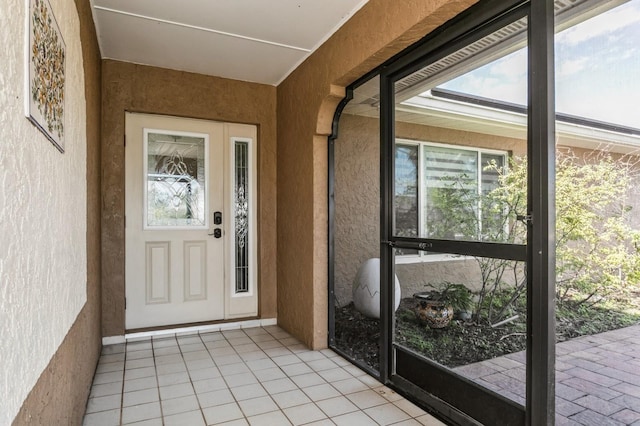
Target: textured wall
(306, 103)
(137, 88)
(357, 211)
(43, 219)
(357, 199)
(60, 395)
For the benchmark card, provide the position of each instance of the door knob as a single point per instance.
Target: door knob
(217, 233)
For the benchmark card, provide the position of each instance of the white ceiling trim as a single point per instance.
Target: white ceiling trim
(229, 44)
(323, 39)
(199, 28)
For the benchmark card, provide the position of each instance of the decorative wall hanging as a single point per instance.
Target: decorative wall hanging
(45, 72)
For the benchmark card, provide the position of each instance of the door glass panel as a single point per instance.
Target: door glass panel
(241, 195)
(176, 168)
(461, 176)
(467, 314)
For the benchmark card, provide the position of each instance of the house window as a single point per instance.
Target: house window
(439, 189)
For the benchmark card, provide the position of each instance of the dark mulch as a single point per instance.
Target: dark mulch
(358, 336)
(461, 342)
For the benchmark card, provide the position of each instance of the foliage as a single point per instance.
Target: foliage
(597, 250)
(456, 295)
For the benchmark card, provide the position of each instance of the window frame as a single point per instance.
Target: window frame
(421, 257)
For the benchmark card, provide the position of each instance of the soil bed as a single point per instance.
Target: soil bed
(462, 343)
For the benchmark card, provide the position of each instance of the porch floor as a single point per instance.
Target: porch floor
(256, 376)
(597, 378)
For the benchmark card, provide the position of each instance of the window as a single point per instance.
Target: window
(439, 191)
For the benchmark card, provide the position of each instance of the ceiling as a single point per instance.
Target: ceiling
(252, 40)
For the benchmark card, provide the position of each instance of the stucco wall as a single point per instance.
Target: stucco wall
(43, 219)
(138, 88)
(357, 208)
(61, 392)
(306, 104)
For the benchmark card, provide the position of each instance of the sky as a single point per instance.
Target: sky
(597, 70)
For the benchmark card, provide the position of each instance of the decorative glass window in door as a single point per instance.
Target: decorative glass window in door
(175, 169)
(241, 215)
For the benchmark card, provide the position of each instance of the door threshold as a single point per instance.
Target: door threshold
(156, 332)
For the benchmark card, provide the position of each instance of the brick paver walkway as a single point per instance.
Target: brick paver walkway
(597, 378)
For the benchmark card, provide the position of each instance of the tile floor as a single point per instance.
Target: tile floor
(253, 376)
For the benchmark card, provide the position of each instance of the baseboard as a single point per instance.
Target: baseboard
(146, 335)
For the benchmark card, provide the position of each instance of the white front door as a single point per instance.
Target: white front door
(181, 221)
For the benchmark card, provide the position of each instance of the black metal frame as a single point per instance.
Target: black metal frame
(482, 19)
(541, 272)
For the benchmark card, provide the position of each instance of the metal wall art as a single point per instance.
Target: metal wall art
(45, 72)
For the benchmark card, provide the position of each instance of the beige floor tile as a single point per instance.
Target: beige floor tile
(179, 405)
(248, 347)
(140, 397)
(103, 418)
(305, 413)
(212, 399)
(279, 385)
(336, 406)
(242, 379)
(255, 390)
(103, 403)
(357, 418)
(222, 413)
(291, 398)
(269, 419)
(137, 413)
(429, 420)
(335, 374)
(320, 392)
(308, 379)
(253, 355)
(409, 408)
(173, 378)
(255, 406)
(140, 384)
(176, 391)
(408, 422)
(177, 367)
(387, 414)
(366, 399)
(204, 374)
(351, 385)
(238, 422)
(296, 369)
(147, 353)
(203, 386)
(106, 389)
(269, 374)
(191, 418)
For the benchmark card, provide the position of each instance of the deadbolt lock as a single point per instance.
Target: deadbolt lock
(217, 218)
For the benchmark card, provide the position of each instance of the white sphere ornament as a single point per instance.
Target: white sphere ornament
(366, 289)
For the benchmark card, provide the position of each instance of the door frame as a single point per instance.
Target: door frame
(236, 305)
